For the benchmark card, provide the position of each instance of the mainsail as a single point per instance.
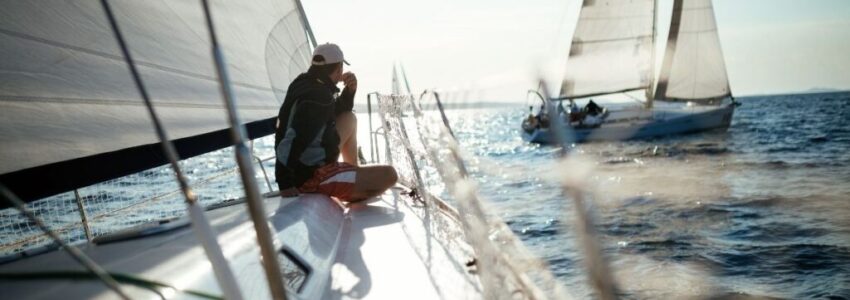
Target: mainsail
(611, 50)
(69, 112)
(693, 67)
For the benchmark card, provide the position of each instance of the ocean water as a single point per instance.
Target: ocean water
(761, 210)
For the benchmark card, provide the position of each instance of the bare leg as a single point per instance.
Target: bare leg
(372, 181)
(346, 127)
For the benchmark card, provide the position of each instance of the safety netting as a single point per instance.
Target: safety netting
(421, 146)
(142, 198)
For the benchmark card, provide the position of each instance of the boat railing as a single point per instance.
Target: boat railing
(260, 161)
(420, 143)
(150, 196)
(374, 134)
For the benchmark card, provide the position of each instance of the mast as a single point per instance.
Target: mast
(396, 88)
(669, 52)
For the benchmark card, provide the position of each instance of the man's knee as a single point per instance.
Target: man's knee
(391, 175)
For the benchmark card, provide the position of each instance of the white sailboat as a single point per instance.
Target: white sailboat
(72, 117)
(612, 52)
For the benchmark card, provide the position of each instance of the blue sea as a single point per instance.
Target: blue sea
(761, 210)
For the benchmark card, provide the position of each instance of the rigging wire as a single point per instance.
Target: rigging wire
(201, 225)
(75, 253)
(598, 270)
(482, 238)
(246, 168)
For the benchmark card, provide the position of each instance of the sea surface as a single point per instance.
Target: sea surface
(761, 210)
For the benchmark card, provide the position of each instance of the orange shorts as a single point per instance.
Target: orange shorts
(334, 179)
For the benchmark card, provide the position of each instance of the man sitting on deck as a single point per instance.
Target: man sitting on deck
(314, 127)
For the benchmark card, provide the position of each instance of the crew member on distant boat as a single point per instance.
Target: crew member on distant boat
(591, 116)
(315, 126)
(575, 113)
(593, 109)
(530, 122)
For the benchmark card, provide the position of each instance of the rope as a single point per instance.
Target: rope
(598, 271)
(201, 225)
(256, 208)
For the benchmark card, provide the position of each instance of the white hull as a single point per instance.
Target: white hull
(379, 250)
(663, 120)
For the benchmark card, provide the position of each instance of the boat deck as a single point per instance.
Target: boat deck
(388, 248)
(389, 254)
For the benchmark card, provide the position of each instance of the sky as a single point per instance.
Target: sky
(495, 50)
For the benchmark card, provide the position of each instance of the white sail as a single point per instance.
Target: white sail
(693, 67)
(611, 50)
(66, 92)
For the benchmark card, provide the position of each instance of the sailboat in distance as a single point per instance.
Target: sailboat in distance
(612, 52)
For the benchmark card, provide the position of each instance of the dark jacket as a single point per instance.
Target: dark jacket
(306, 136)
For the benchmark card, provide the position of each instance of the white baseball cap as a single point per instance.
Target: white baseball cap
(331, 54)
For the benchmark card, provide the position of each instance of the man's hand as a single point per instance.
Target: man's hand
(290, 192)
(350, 82)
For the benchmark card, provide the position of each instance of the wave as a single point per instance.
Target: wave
(781, 259)
(786, 165)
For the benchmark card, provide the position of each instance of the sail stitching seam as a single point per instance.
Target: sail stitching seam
(115, 57)
(10, 98)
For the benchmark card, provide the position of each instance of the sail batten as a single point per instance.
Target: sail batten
(66, 93)
(611, 48)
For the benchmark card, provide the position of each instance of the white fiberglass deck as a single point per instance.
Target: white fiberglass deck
(386, 249)
(389, 254)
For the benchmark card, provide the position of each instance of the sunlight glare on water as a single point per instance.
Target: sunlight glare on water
(760, 210)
